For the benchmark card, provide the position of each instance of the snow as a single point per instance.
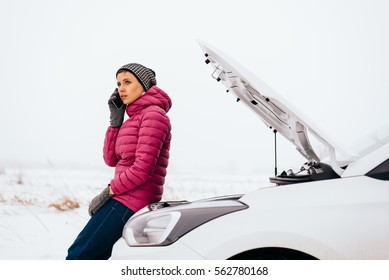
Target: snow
(43, 210)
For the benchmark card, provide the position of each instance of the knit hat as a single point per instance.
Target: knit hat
(144, 75)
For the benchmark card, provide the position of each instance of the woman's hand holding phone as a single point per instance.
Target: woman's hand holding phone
(116, 100)
(117, 109)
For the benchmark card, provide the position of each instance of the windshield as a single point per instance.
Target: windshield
(356, 146)
(371, 141)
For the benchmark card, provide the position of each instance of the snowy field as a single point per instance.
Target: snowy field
(42, 210)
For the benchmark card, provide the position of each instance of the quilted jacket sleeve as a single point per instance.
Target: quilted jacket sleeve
(109, 154)
(153, 131)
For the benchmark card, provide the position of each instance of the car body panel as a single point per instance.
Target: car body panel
(292, 217)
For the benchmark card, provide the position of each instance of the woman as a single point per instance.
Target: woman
(139, 150)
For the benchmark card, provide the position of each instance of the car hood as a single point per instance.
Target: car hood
(271, 108)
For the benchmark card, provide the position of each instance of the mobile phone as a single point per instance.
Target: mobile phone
(117, 101)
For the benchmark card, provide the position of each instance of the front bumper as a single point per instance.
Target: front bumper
(175, 251)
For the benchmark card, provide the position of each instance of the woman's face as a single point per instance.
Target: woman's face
(129, 87)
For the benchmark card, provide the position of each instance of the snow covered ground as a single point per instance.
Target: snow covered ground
(42, 210)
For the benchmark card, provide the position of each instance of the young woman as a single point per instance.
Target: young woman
(139, 150)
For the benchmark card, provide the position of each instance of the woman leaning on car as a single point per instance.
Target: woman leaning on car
(138, 148)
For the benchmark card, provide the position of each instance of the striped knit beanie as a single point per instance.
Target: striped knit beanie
(145, 76)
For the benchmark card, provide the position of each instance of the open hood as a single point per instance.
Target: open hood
(270, 107)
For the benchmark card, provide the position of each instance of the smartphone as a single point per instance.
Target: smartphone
(117, 101)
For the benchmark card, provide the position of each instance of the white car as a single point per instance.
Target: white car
(330, 209)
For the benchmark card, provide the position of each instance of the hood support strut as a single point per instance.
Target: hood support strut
(275, 152)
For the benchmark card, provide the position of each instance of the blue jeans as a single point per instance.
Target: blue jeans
(96, 240)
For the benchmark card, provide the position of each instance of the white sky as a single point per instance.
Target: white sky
(58, 59)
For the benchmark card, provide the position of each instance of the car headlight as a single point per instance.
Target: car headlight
(164, 226)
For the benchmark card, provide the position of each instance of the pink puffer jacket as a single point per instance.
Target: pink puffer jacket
(139, 150)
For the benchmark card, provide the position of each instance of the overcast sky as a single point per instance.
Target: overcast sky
(58, 60)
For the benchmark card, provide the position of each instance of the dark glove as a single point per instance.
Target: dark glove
(117, 114)
(99, 201)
